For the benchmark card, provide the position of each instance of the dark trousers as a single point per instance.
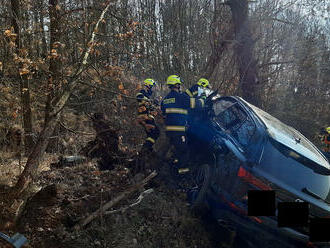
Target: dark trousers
(181, 150)
(152, 132)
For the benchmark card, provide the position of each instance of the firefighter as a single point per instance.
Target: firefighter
(175, 107)
(197, 91)
(196, 115)
(197, 101)
(147, 112)
(325, 139)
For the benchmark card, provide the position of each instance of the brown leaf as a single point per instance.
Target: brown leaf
(7, 32)
(121, 86)
(23, 71)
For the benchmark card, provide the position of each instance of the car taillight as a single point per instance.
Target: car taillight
(240, 210)
(249, 178)
(257, 219)
(233, 206)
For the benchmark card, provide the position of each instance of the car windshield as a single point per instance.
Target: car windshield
(230, 116)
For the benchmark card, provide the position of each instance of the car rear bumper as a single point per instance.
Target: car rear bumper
(236, 214)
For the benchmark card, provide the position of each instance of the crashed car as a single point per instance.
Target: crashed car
(248, 149)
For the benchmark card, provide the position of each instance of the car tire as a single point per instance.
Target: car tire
(202, 176)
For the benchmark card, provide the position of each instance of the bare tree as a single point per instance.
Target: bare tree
(23, 77)
(31, 167)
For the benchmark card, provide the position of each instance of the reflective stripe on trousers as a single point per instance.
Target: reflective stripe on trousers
(176, 128)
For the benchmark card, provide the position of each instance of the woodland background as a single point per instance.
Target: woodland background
(62, 60)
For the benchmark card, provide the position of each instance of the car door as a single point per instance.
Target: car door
(235, 129)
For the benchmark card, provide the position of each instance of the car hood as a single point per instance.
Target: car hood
(289, 137)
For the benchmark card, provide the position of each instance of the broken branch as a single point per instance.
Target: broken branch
(139, 199)
(114, 201)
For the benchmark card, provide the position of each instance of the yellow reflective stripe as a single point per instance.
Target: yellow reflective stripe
(183, 170)
(176, 111)
(195, 93)
(189, 93)
(169, 100)
(202, 102)
(151, 140)
(176, 128)
(192, 102)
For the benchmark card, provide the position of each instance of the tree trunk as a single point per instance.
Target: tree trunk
(218, 43)
(24, 82)
(247, 64)
(31, 167)
(55, 59)
(42, 29)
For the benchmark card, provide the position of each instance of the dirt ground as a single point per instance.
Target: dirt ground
(162, 217)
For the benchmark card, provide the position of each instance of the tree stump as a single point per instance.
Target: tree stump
(105, 145)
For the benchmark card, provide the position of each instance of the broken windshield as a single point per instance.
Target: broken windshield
(230, 116)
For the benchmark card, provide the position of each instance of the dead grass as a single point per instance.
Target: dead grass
(12, 166)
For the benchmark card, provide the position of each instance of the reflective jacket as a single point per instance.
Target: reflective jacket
(175, 108)
(195, 101)
(193, 90)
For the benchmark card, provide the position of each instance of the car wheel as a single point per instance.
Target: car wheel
(202, 176)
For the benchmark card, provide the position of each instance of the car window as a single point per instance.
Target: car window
(232, 117)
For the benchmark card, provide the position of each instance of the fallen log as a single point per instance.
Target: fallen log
(114, 201)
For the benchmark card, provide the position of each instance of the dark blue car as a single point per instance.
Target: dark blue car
(248, 149)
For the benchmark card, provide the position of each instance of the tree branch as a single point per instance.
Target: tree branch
(140, 198)
(114, 201)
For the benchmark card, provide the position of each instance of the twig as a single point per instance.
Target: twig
(140, 198)
(106, 89)
(92, 101)
(101, 208)
(81, 198)
(114, 201)
(74, 131)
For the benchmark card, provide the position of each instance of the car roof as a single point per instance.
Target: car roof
(289, 136)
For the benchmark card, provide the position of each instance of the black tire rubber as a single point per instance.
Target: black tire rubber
(202, 176)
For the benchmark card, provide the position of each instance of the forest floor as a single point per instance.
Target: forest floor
(163, 218)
